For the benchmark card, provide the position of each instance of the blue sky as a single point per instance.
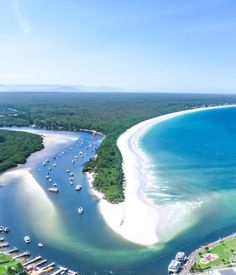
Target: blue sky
(162, 45)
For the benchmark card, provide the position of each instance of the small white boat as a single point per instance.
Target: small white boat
(78, 187)
(53, 189)
(6, 229)
(27, 239)
(47, 177)
(54, 184)
(80, 210)
(40, 245)
(67, 171)
(54, 164)
(50, 180)
(2, 239)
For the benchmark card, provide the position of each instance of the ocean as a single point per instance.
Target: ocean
(191, 162)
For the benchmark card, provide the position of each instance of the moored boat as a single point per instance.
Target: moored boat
(174, 267)
(78, 187)
(80, 210)
(27, 239)
(40, 245)
(53, 189)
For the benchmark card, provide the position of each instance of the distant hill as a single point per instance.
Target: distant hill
(37, 88)
(56, 88)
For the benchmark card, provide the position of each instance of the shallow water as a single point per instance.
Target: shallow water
(193, 160)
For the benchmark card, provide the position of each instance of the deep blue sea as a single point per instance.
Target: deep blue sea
(192, 160)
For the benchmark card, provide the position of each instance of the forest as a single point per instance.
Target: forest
(15, 147)
(109, 113)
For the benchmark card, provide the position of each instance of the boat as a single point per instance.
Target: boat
(6, 229)
(50, 180)
(174, 267)
(53, 189)
(54, 164)
(80, 210)
(47, 177)
(71, 174)
(71, 272)
(54, 184)
(181, 257)
(27, 239)
(40, 245)
(78, 187)
(2, 239)
(67, 171)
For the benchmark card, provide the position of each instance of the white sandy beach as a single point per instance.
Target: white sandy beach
(137, 219)
(39, 208)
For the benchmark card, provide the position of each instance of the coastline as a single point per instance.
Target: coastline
(137, 219)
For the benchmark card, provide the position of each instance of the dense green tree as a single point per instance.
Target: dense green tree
(15, 147)
(109, 113)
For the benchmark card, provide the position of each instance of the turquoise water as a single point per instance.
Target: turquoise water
(193, 160)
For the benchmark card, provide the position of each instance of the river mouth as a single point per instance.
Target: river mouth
(81, 242)
(85, 243)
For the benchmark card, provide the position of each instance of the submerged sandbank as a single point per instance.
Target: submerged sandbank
(137, 219)
(27, 185)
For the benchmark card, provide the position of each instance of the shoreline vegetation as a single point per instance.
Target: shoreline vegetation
(16, 147)
(215, 256)
(108, 113)
(10, 266)
(30, 188)
(137, 219)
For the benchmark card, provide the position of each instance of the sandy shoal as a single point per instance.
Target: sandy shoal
(137, 219)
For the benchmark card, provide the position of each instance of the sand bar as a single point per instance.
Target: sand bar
(137, 219)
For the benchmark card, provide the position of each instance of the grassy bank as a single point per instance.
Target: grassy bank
(224, 250)
(10, 266)
(109, 113)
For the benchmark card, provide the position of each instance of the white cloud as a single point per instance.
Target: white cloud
(22, 22)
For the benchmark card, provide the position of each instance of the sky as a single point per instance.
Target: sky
(157, 45)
